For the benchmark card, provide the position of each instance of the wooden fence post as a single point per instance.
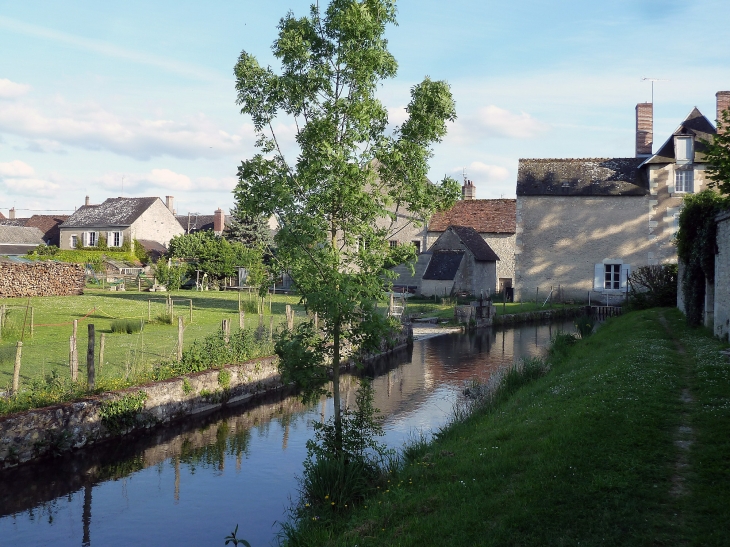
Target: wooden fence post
(191, 310)
(102, 343)
(16, 369)
(90, 370)
(289, 317)
(271, 327)
(239, 299)
(241, 319)
(537, 290)
(2, 320)
(32, 320)
(261, 319)
(75, 352)
(180, 331)
(149, 309)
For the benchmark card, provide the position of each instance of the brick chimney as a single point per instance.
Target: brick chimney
(169, 201)
(644, 129)
(11, 214)
(219, 220)
(468, 190)
(723, 103)
(87, 202)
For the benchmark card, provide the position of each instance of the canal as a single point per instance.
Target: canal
(191, 483)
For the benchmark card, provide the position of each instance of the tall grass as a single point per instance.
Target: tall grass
(127, 326)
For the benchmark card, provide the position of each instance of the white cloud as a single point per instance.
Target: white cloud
(498, 122)
(30, 186)
(478, 171)
(16, 168)
(151, 182)
(91, 127)
(11, 90)
(397, 115)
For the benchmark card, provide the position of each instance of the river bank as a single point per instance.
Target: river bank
(623, 442)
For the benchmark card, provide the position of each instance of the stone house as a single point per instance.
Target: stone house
(47, 224)
(120, 220)
(493, 219)
(584, 224)
(461, 262)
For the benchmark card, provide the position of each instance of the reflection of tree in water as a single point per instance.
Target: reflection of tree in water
(214, 454)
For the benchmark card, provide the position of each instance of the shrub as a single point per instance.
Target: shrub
(653, 286)
(172, 276)
(584, 325)
(561, 343)
(126, 326)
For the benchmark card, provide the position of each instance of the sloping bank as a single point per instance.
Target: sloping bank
(41, 432)
(623, 442)
(552, 314)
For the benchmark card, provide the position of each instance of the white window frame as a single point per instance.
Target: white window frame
(92, 239)
(601, 270)
(684, 181)
(115, 239)
(73, 241)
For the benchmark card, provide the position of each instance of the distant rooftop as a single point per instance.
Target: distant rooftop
(112, 213)
(484, 215)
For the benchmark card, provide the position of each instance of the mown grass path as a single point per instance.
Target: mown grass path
(625, 442)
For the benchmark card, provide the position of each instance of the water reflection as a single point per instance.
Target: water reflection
(191, 483)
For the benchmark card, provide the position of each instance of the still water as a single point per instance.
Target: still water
(192, 483)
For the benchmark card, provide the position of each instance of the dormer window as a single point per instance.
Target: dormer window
(684, 148)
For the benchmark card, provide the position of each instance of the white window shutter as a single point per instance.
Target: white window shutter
(110, 239)
(670, 182)
(121, 238)
(625, 272)
(598, 275)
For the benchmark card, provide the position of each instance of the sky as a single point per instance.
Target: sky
(136, 98)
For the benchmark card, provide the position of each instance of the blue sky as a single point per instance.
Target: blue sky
(137, 98)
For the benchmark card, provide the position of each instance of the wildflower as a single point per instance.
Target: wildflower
(327, 497)
(332, 503)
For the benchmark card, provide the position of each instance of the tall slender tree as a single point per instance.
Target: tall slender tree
(345, 173)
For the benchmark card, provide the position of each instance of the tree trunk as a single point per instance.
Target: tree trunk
(336, 387)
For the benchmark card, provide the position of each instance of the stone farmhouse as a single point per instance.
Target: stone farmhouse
(120, 220)
(47, 224)
(461, 262)
(584, 224)
(19, 240)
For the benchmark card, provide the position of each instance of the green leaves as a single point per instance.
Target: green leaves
(718, 156)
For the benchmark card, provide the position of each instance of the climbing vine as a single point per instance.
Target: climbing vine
(696, 247)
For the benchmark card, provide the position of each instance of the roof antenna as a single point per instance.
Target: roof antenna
(463, 173)
(652, 80)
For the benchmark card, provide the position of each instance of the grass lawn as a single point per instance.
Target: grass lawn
(48, 349)
(624, 442)
(429, 308)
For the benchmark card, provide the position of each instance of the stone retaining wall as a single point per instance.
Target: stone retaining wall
(542, 315)
(46, 431)
(41, 279)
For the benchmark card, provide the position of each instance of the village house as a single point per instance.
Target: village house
(19, 240)
(47, 224)
(120, 220)
(584, 224)
(461, 262)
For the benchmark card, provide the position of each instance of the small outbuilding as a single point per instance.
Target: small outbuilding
(461, 262)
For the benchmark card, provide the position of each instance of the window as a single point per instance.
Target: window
(393, 243)
(92, 239)
(612, 276)
(116, 239)
(683, 180)
(683, 150)
(74, 241)
(417, 245)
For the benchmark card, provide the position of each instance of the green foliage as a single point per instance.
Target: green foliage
(584, 325)
(126, 326)
(172, 276)
(696, 244)
(81, 255)
(216, 256)
(717, 155)
(119, 415)
(212, 351)
(337, 199)
(561, 344)
(44, 251)
(187, 388)
(653, 286)
(251, 231)
(140, 252)
(224, 378)
(236, 541)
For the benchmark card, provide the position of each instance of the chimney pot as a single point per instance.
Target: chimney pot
(169, 202)
(11, 214)
(723, 103)
(644, 129)
(468, 190)
(218, 221)
(87, 201)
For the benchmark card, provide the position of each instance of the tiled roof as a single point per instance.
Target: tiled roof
(20, 235)
(113, 212)
(475, 243)
(48, 224)
(443, 265)
(581, 177)
(199, 223)
(696, 125)
(14, 221)
(484, 215)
